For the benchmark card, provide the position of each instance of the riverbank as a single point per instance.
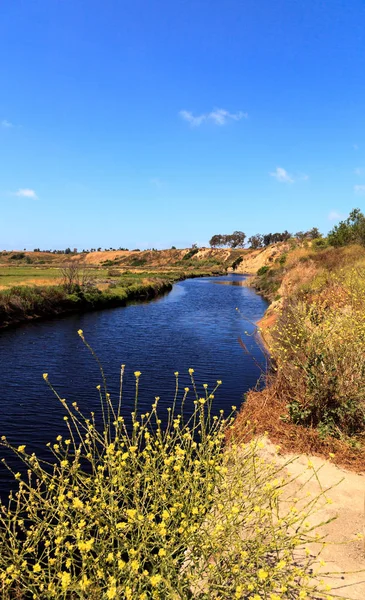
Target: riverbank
(314, 329)
(21, 304)
(36, 285)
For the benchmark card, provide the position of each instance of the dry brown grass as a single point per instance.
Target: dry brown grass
(298, 275)
(262, 413)
(37, 281)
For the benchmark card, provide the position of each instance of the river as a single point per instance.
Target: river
(196, 325)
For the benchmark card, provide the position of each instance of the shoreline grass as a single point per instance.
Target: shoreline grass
(21, 304)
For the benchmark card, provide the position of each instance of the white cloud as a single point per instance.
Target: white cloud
(26, 193)
(218, 116)
(359, 189)
(334, 216)
(282, 175)
(6, 124)
(356, 147)
(360, 171)
(156, 181)
(189, 117)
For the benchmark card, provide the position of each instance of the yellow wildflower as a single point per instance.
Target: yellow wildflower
(262, 575)
(65, 580)
(112, 592)
(155, 579)
(134, 565)
(77, 503)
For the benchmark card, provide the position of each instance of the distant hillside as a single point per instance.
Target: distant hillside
(239, 260)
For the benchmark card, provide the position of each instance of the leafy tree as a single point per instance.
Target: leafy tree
(233, 240)
(68, 251)
(350, 231)
(236, 239)
(313, 233)
(217, 240)
(273, 238)
(256, 241)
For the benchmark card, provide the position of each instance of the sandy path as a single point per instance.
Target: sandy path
(340, 555)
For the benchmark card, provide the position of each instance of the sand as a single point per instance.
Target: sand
(344, 553)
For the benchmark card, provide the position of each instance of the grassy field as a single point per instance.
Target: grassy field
(28, 292)
(10, 276)
(110, 268)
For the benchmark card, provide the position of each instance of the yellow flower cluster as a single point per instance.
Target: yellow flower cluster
(153, 511)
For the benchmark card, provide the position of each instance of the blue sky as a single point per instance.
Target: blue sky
(145, 123)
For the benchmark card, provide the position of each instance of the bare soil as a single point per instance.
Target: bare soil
(344, 553)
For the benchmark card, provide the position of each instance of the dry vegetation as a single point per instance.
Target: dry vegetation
(315, 329)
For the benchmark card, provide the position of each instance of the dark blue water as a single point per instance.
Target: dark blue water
(195, 325)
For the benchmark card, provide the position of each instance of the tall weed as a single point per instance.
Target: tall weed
(153, 511)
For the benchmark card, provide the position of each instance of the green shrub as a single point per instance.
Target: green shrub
(135, 261)
(349, 231)
(237, 262)
(319, 243)
(320, 352)
(17, 256)
(262, 270)
(153, 512)
(190, 253)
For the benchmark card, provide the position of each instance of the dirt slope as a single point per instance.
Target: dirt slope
(256, 259)
(252, 260)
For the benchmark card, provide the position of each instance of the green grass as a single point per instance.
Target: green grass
(16, 275)
(29, 275)
(20, 303)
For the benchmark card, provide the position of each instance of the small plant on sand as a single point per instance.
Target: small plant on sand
(141, 510)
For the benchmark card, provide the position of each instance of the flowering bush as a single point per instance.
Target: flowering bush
(154, 511)
(320, 351)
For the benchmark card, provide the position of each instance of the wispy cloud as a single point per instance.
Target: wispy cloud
(355, 146)
(360, 171)
(218, 116)
(157, 182)
(282, 175)
(359, 189)
(334, 216)
(26, 193)
(5, 124)
(189, 117)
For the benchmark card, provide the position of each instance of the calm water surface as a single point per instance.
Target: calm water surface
(195, 325)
